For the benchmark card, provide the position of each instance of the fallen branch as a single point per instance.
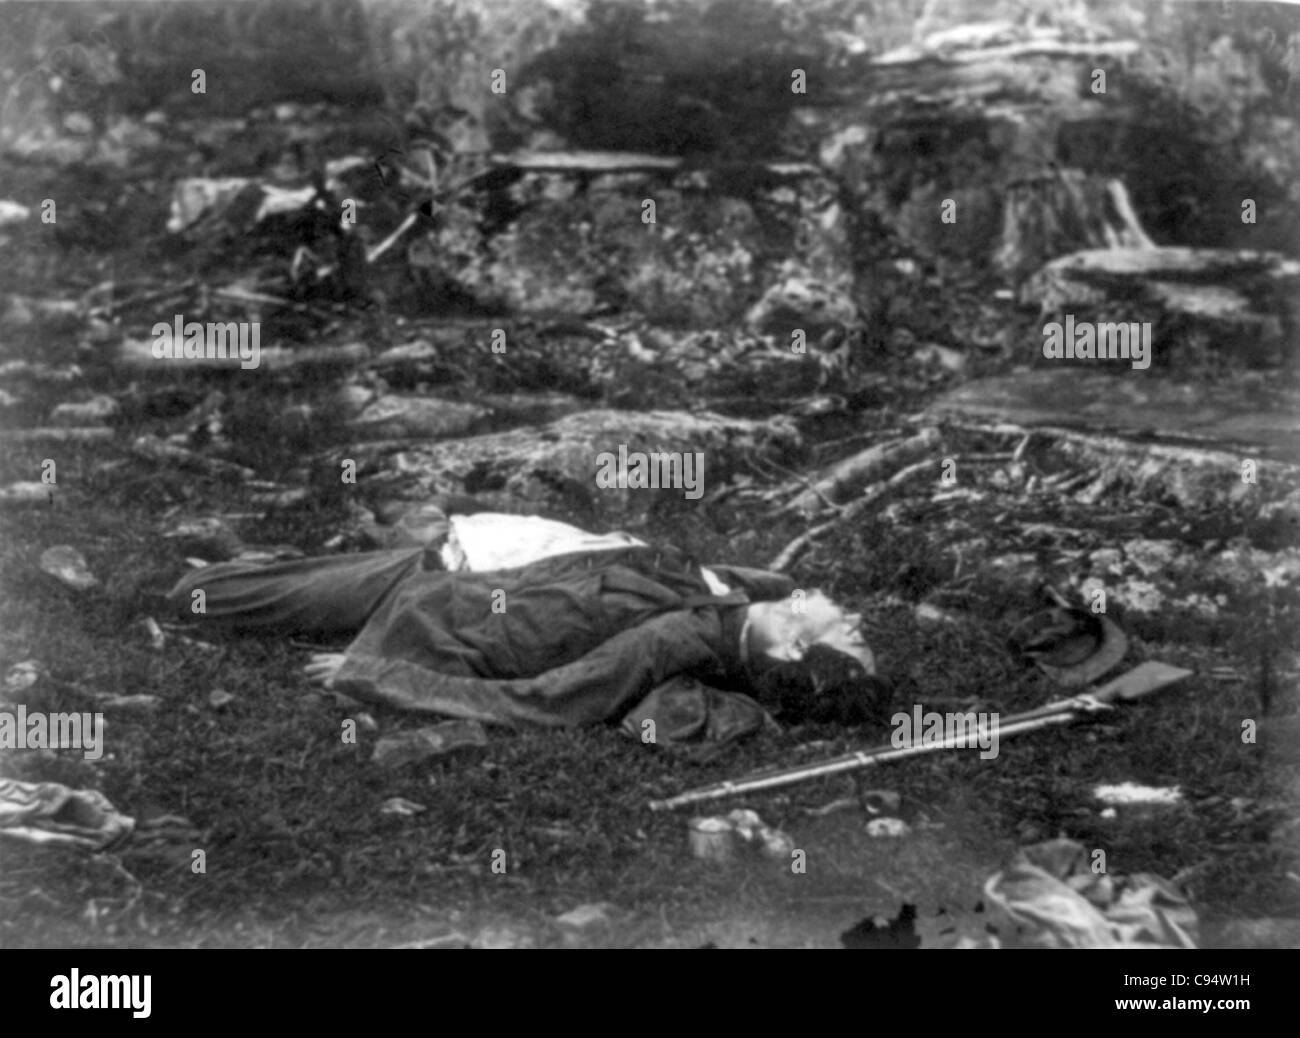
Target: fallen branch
(851, 474)
(392, 239)
(869, 497)
(60, 434)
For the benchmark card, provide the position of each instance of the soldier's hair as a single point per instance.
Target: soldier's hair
(825, 687)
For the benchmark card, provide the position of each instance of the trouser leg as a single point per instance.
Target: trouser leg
(321, 596)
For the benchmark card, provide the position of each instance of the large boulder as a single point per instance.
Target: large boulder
(554, 467)
(580, 242)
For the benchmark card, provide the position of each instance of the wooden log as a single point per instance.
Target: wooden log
(870, 497)
(849, 476)
(73, 434)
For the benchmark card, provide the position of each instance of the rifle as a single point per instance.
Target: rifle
(1133, 684)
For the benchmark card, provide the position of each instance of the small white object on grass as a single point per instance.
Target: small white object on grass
(890, 827)
(1132, 793)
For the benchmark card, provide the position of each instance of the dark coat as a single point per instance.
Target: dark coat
(568, 640)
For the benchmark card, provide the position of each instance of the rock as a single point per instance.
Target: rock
(27, 493)
(423, 524)
(1249, 409)
(22, 676)
(501, 938)
(800, 302)
(928, 613)
(209, 537)
(95, 411)
(219, 697)
(1244, 302)
(12, 212)
(711, 250)
(137, 354)
(407, 747)
(68, 566)
(554, 467)
(1132, 793)
(403, 417)
(78, 434)
(351, 399)
(421, 351)
(932, 354)
(585, 917)
(138, 701)
(401, 806)
(195, 197)
(532, 407)
(155, 449)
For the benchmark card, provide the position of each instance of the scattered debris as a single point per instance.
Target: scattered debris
(1052, 898)
(888, 827)
(157, 640)
(219, 697)
(95, 411)
(398, 417)
(79, 434)
(52, 813)
(881, 801)
(22, 676)
(418, 744)
(153, 449)
(401, 806)
(926, 613)
(850, 476)
(1142, 680)
(26, 493)
(713, 839)
(69, 567)
(801, 302)
(1133, 793)
(211, 536)
(138, 701)
(12, 212)
(841, 804)
(586, 917)
(1073, 647)
(880, 933)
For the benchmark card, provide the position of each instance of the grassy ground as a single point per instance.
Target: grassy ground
(297, 851)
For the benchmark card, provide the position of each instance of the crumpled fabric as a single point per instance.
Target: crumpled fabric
(487, 541)
(694, 718)
(51, 813)
(1053, 899)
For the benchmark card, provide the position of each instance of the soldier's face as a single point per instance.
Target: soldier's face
(816, 620)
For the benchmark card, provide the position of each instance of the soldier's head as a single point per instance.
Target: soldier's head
(784, 630)
(809, 661)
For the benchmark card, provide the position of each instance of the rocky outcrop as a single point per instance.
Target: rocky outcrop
(553, 468)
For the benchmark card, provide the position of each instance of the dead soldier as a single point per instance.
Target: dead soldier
(519, 619)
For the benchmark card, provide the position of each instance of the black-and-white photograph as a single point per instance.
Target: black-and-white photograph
(650, 474)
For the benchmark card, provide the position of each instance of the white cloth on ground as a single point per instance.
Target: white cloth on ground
(492, 540)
